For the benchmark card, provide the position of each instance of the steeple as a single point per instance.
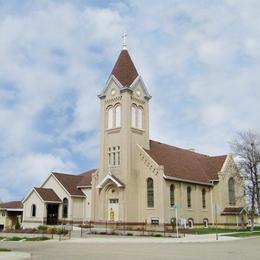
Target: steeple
(124, 69)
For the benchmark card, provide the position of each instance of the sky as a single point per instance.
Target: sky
(200, 60)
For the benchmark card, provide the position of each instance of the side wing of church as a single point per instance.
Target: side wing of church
(138, 179)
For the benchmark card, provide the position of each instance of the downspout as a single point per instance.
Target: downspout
(84, 209)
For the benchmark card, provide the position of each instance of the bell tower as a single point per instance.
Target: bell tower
(124, 125)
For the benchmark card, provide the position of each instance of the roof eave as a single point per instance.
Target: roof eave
(46, 201)
(8, 209)
(186, 180)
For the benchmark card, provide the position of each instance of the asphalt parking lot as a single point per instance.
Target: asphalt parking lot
(243, 249)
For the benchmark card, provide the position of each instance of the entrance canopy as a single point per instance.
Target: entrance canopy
(234, 211)
(110, 177)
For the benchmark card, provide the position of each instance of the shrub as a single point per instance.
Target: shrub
(17, 225)
(43, 228)
(61, 231)
(53, 230)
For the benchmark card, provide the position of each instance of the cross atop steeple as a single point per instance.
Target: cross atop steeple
(124, 41)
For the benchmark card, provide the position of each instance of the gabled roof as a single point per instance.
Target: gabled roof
(86, 178)
(184, 164)
(48, 195)
(110, 177)
(71, 182)
(14, 205)
(124, 69)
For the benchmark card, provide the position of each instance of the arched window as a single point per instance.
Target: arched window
(172, 198)
(205, 222)
(203, 198)
(190, 222)
(110, 118)
(189, 197)
(134, 115)
(33, 210)
(65, 208)
(231, 191)
(140, 117)
(118, 115)
(150, 193)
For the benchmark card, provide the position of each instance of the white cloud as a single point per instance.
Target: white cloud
(20, 174)
(199, 59)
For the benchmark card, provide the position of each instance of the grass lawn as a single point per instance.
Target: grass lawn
(4, 250)
(201, 231)
(37, 238)
(245, 234)
(27, 238)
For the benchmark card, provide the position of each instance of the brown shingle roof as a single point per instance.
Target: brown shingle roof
(48, 194)
(71, 182)
(120, 182)
(86, 178)
(185, 164)
(12, 205)
(124, 69)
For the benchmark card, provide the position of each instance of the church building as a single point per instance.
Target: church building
(139, 179)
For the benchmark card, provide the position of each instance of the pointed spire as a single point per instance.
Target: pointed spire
(124, 69)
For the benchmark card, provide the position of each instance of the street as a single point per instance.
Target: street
(242, 249)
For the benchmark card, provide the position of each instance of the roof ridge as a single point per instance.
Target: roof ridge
(63, 173)
(42, 188)
(89, 171)
(179, 148)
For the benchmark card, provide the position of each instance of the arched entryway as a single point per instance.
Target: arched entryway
(112, 202)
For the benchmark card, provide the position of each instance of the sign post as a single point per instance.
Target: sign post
(175, 206)
(216, 219)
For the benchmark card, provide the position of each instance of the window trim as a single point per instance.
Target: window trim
(65, 206)
(172, 195)
(150, 192)
(188, 197)
(231, 192)
(110, 117)
(33, 211)
(203, 198)
(117, 116)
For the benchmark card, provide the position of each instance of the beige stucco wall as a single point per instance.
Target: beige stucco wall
(87, 204)
(162, 209)
(28, 220)
(3, 215)
(220, 191)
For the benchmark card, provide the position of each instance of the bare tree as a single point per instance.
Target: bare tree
(246, 147)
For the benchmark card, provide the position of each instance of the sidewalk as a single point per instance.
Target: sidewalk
(139, 239)
(14, 255)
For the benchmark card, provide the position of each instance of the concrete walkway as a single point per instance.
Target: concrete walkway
(14, 255)
(140, 239)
